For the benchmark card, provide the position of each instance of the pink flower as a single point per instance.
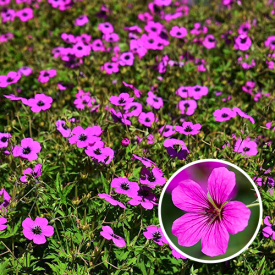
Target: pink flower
(3, 226)
(178, 32)
(62, 128)
(247, 147)
(145, 161)
(81, 20)
(45, 75)
(155, 233)
(5, 199)
(198, 91)
(187, 107)
(121, 100)
(147, 119)
(124, 186)
(242, 42)
(112, 201)
(188, 128)
(37, 230)
(35, 172)
(167, 130)
(270, 42)
(209, 220)
(209, 41)
(152, 178)
(106, 27)
(269, 230)
(40, 102)
(4, 140)
(28, 149)
(110, 67)
(176, 148)
(154, 101)
(108, 233)
(25, 14)
(224, 114)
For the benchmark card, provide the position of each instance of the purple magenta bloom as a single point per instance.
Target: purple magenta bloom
(155, 233)
(25, 70)
(45, 75)
(121, 100)
(5, 37)
(4, 199)
(269, 230)
(3, 226)
(209, 41)
(247, 147)
(40, 102)
(37, 230)
(268, 125)
(110, 67)
(187, 107)
(68, 38)
(154, 27)
(4, 140)
(147, 119)
(245, 64)
(167, 130)
(198, 91)
(96, 151)
(8, 15)
(81, 20)
(83, 101)
(126, 59)
(145, 161)
(243, 114)
(144, 198)
(198, 29)
(108, 233)
(112, 201)
(270, 42)
(184, 91)
(242, 42)
(176, 148)
(178, 32)
(188, 128)
(209, 220)
(111, 37)
(176, 254)
(244, 28)
(62, 128)
(80, 49)
(106, 27)
(124, 186)
(28, 149)
(249, 87)
(137, 92)
(10, 78)
(154, 101)
(133, 109)
(84, 138)
(25, 14)
(36, 172)
(224, 114)
(125, 142)
(152, 178)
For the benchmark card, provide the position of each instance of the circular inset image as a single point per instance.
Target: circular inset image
(210, 211)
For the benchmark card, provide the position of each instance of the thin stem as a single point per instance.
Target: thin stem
(252, 205)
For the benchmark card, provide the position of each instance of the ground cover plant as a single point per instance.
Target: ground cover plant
(102, 101)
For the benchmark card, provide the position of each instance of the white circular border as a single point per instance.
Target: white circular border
(251, 240)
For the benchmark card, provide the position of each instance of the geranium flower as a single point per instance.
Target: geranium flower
(153, 27)
(35, 172)
(106, 27)
(167, 130)
(152, 178)
(155, 233)
(97, 151)
(154, 101)
(4, 199)
(270, 42)
(242, 42)
(111, 200)
(198, 91)
(245, 64)
(121, 100)
(111, 37)
(124, 186)
(25, 70)
(178, 32)
(80, 49)
(37, 230)
(110, 67)
(246, 147)
(145, 161)
(184, 91)
(108, 233)
(244, 28)
(176, 254)
(209, 218)
(176, 148)
(4, 140)
(25, 14)
(85, 137)
(209, 41)
(188, 128)
(28, 149)
(269, 230)
(243, 114)
(147, 119)
(8, 15)
(187, 107)
(62, 128)
(133, 109)
(40, 102)
(10, 78)
(3, 226)
(81, 20)
(224, 114)
(5, 37)
(145, 198)
(198, 29)
(45, 75)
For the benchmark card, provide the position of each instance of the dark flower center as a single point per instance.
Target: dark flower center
(197, 89)
(115, 236)
(153, 29)
(166, 129)
(24, 14)
(79, 48)
(213, 213)
(97, 151)
(4, 139)
(273, 42)
(9, 79)
(40, 103)
(64, 127)
(188, 129)
(243, 40)
(125, 186)
(147, 119)
(109, 66)
(246, 149)
(151, 41)
(122, 100)
(245, 29)
(151, 178)
(82, 137)
(184, 90)
(143, 192)
(178, 33)
(156, 235)
(177, 147)
(37, 230)
(186, 105)
(26, 150)
(211, 39)
(224, 115)
(155, 99)
(127, 57)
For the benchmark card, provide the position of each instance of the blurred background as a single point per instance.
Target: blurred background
(243, 192)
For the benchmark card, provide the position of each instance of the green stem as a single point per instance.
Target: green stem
(252, 205)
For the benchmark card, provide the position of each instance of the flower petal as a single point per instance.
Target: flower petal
(189, 196)
(220, 184)
(266, 221)
(215, 240)
(235, 216)
(189, 228)
(267, 231)
(39, 239)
